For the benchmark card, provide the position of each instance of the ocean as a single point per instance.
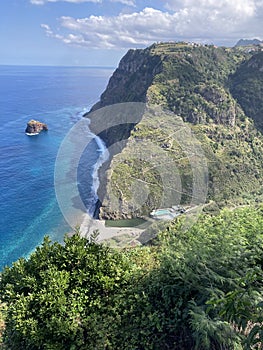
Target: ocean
(57, 96)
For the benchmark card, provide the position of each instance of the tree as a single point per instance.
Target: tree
(61, 297)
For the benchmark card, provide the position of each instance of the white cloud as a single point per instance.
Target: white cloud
(223, 6)
(210, 10)
(204, 20)
(125, 2)
(124, 30)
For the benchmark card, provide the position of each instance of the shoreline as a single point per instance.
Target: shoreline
(89, 225)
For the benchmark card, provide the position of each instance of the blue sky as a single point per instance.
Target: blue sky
(99, 32)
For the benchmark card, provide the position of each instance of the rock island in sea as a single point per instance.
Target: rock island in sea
(34, 127)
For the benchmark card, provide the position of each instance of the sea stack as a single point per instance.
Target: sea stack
(34, 127)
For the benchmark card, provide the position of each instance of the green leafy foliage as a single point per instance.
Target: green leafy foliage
(2, 323)
(207, 291)
(59, 298)
(196, 289)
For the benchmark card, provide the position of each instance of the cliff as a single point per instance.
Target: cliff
(247, 88)
(35, 127)
(130, 81)
(209, 89)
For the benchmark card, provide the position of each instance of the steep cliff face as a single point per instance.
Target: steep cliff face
(246, 86)
(130, 81)
(203, 86)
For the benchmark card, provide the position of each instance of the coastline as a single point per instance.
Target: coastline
(90, 222)
(89, 225)
(103, 157)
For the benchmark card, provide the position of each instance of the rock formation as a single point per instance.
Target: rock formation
(34, 127)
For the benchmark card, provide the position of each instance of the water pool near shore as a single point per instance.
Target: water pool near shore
(127, 223)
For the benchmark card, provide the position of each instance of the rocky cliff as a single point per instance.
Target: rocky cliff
(129, 83)
(209, 89)
(132, 78)
(246, 86)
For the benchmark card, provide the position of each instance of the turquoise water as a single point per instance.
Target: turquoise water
(57, 96)
(162, 212)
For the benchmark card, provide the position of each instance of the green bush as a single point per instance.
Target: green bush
(200, 288)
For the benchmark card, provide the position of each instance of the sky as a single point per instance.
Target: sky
(99, 32)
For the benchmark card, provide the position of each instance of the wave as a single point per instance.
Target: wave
(104, 156)
(32, 133)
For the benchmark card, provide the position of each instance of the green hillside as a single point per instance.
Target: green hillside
(217, 93)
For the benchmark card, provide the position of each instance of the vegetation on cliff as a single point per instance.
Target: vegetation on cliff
(217, 93)
(247, 88)
(200, 289)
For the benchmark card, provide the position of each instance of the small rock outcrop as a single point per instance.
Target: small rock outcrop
(34, 127)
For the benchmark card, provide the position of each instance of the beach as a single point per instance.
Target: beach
(90, 225)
